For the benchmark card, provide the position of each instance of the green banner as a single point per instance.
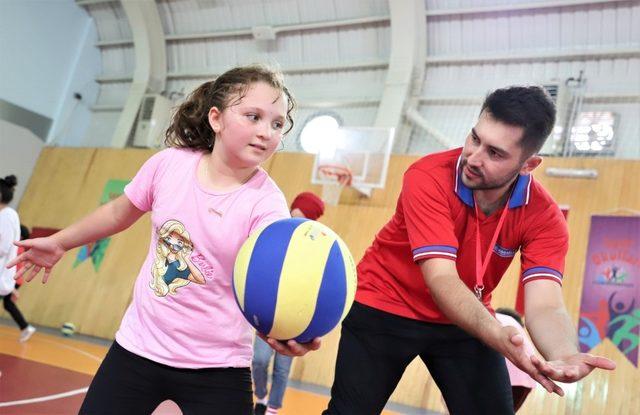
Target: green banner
(96, 250)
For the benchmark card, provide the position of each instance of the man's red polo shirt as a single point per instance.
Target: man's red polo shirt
(435, 218)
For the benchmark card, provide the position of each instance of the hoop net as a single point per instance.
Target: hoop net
(339, 176)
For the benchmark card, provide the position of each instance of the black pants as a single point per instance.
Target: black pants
(376, 347)
(129, 384)
(520, 394)
(14, 311)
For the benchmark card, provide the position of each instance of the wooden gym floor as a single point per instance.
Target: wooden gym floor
(49, 374)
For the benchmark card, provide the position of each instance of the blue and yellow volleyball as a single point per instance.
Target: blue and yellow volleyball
(294, 279)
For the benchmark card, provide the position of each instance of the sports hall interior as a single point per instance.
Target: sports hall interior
(77, 74)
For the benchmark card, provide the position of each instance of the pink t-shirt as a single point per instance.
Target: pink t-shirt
(517, 376)
(195, 236)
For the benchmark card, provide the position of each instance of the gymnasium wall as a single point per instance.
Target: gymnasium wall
(67, 183)
(20, 151)
(44, 62)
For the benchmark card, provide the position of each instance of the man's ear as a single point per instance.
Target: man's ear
(214, 119)
(530, 164)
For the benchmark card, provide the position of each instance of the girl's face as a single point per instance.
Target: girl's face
(249, 131)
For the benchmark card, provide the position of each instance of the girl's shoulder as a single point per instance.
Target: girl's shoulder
(178, 153)
(170, 158)
(264, 182)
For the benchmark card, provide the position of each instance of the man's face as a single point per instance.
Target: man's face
(492, 155)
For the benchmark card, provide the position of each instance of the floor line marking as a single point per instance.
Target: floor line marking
(44, 398)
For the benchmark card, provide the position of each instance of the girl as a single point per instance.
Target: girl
(9, 233)
(183, 337)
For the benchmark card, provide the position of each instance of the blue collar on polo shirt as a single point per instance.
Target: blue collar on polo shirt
(519, 197)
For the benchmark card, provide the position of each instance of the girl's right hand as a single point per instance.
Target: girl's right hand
(39, 253)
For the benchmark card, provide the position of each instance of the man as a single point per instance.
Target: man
(305, 205)
(424, 286)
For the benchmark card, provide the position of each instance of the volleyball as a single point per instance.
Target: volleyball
(294, 279)
(68, 329)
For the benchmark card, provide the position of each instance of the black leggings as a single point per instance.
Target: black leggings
(129, 384)
(376, 347)
(14, 311)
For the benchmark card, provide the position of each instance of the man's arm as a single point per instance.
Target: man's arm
(462, 307)
(457, 302)
(554, 335)
(547, 320)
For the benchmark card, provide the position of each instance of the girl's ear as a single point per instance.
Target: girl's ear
(214, 119)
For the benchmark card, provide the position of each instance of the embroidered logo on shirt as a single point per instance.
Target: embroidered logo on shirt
(215, 212)
(504, 252)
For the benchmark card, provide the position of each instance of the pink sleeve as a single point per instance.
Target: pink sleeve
(140, 190)
(269, 209)
(517, 376)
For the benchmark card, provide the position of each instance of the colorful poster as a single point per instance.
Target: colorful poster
(610, 306)
(96, 250)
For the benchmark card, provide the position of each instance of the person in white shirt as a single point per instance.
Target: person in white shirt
(9, 233)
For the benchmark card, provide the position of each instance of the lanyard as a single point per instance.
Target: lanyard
(481, 266)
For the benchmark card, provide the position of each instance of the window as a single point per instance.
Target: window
(593, 133)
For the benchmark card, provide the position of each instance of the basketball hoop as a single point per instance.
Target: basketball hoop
(339, 176)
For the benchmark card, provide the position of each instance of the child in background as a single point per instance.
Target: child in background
(183, 337)
(521, 383)
(11, 231)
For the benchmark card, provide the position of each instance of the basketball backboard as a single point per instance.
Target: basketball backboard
(353, 156)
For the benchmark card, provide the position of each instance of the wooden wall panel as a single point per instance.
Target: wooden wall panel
(67, 184)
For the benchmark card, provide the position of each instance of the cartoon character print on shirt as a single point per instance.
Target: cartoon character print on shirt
(172, 267)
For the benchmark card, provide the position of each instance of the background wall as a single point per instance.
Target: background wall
(48, 53)
(95, 302)
(20, 151)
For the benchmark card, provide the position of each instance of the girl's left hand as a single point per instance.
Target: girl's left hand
(291, 347)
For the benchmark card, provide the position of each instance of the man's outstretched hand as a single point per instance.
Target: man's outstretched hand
(572, 368)
(511, 345)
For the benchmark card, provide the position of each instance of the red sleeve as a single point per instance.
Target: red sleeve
(545, 246)
(428, 217)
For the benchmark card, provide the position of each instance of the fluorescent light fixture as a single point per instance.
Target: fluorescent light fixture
(572, 173)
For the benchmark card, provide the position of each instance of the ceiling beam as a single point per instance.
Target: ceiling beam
(248, 31)
(531, 6)
(150, 75)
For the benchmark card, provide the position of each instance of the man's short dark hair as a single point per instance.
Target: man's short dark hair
(529, 107)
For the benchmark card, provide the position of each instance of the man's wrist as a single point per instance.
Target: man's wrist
(562, 354)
